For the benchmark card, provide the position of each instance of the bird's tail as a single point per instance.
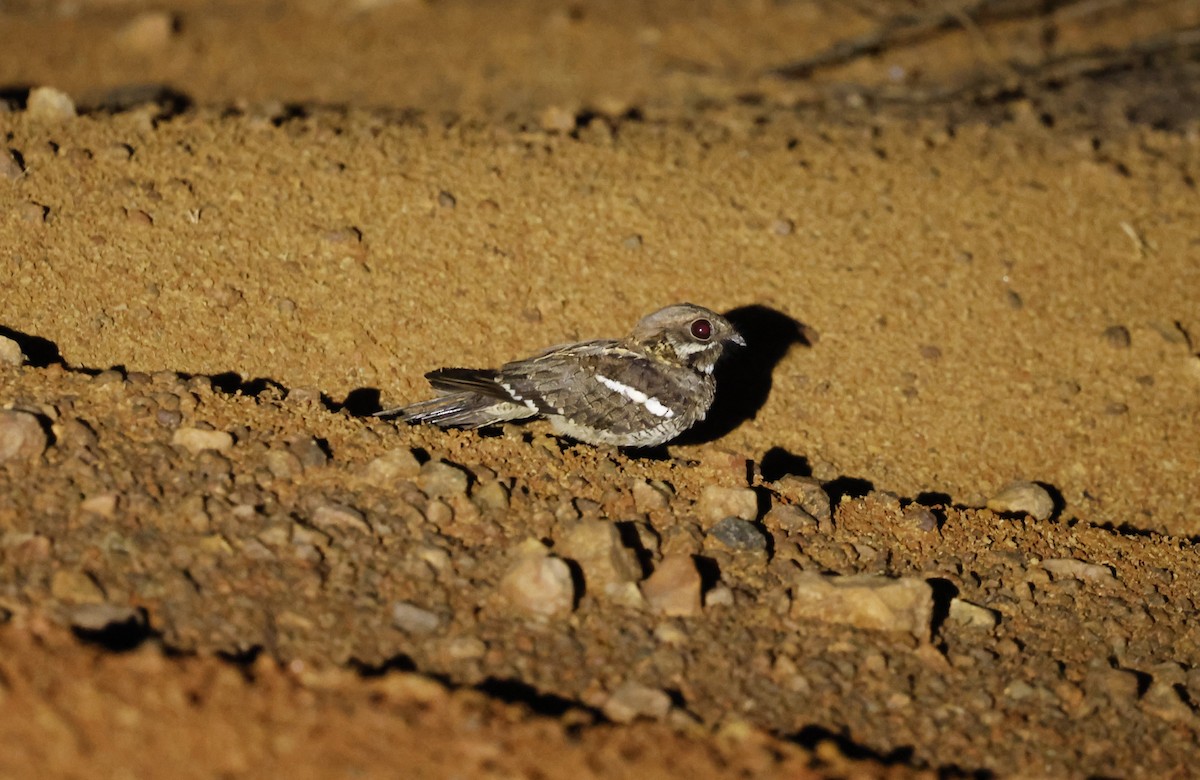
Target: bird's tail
(471, 398)
(460, 410)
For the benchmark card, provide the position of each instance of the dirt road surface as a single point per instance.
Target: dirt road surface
(941, 521)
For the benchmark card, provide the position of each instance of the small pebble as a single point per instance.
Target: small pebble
(283, 464)
(466, 648)
(412, 619)
(104, 505)
(21, 436)
(1079, 570)
(867, 601)
(539, 584)
(790, 520)
(783, 227)
(446, 200)
(115, 153)
(10, 167)
(98, 617)
(147, 33)
(717, 503)
(10, 352)
(75, 587)
(720, 596)
(492, 495)
(328, 516)
(196, 440)
(921, 517)
(650, 496)
(139, 217)
(632, 242)
(439, 513)
(596, 546)
(1022, 497)
(1164, 701)
(1117, 336)
(807, 493)
(393, 466)
(1117, 684)
(969, 615)
(738, 534)
(1019, 690)
(309, 451)
(33, 213)
(674, 587)
(557, 119)
(49, 104)
(438, 479)
(632, 700)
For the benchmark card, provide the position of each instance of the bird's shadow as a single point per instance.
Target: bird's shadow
(744, 375)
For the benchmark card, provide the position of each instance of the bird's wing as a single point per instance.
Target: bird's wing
(601, 385)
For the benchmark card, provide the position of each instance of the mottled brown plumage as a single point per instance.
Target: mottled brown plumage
(639, 391)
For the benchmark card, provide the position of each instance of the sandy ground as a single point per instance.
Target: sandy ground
(961, 240)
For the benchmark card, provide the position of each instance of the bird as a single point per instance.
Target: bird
(642, 390)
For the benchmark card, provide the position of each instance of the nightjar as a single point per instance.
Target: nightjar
(639, 391)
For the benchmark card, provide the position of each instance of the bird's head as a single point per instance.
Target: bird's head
(687, 334)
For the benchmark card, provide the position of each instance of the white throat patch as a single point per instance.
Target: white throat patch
(652, 404)
(690, 348)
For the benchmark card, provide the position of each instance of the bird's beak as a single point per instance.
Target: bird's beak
(736, 338)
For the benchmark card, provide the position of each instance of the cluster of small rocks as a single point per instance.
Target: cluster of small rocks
(595, 579)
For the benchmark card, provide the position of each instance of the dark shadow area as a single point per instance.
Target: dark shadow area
(1056, 496)
(118, 636)
(943, 592)
(362, 402)
(810, 737)
(851, 487)
(231, 383)
(243, 659)
(400, 662)
(778, 463)
(1143, 678)
(19, 159)
(578, 580)
(291, 112)
(170, 101)
(1125, 529)
(930, 498)
(519, 692)
(710, 572)
(647, 453)
(586, 117)
(631, 539)
(744, 374)
(39, 352)
(16, 96)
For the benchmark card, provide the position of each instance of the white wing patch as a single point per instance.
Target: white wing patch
(652, 404)
(517, 396)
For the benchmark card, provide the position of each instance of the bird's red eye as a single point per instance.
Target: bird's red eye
(702, 329)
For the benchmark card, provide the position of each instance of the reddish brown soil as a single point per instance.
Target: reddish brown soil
(962, 242)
